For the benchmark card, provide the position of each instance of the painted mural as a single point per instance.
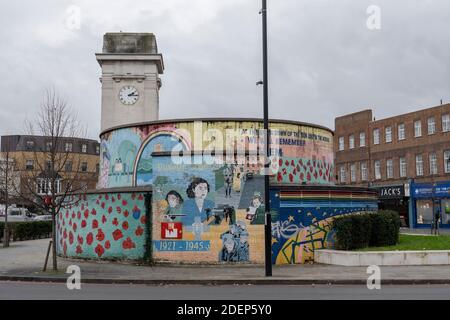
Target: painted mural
(303, 154)
(198, 216)
(103, 226)
(304, 221)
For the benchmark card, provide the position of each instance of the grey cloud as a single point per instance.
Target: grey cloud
(323, 61)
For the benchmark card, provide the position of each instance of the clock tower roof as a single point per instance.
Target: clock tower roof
(131, 43)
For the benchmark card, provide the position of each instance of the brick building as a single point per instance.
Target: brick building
(30, 156)
(400, 156)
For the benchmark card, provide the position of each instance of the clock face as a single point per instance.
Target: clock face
(128, 95)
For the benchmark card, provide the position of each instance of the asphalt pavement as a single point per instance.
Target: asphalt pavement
(59, 291)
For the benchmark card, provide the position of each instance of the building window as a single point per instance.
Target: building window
(83, 166)
(68, 166)
(389, 169)
(84, 148)
(341, 143)
(353, 172)
(419, 165)
(44, 186)
(431, 125)
(97, 168)
(401, 131)
(376, 136)
(362, 139)
(351, 142)
(364, 171)
(68, 147)
(97, 149)
(48, 146)
(433, 163)
(403, 167)
(388, 134)
(343, 178)
(446, 122)
(377, 166)
(417, 128)
(29, 165)
(424, 211)
(447, 161)
(30, 145)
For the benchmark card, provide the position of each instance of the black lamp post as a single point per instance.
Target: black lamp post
(268, 222)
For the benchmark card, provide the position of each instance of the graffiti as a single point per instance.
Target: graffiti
(305, 216)
(300, 247)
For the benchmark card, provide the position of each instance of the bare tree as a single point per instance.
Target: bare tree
(51, 184)
(7, 180)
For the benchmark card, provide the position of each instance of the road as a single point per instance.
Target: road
(31, 290)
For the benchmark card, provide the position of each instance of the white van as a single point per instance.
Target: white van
(17, 214)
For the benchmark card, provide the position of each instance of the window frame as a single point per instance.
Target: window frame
(401, 133)
(363, 135)
(416, 135)
(433, 125)
(419, 173)
(386, 130)
(376, 137)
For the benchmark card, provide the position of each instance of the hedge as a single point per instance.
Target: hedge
(27, 230)
(367, 230)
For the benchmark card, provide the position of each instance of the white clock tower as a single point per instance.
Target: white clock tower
(131, 66)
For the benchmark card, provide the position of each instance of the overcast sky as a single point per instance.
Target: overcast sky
(323, 60)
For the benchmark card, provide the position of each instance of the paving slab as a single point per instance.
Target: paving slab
(24, 261)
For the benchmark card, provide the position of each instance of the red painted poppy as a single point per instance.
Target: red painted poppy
(99, 250)
(100, 235)
(117, 234)
(89, 238)
(139, 231)
(128, 244)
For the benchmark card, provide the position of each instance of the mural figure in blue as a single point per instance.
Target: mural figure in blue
(197, 205)
(235, 243)
(229, 252)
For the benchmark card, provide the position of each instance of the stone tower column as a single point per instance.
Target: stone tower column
(131, 66)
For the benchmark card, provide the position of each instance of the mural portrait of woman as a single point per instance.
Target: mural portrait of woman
(173, 210)
(197, 205)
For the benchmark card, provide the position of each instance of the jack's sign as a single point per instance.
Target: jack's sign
(391, 192)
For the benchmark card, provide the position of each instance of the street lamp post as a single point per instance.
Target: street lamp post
(268, 222)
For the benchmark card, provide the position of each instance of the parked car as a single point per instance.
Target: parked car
(44, 217)
(17, 214)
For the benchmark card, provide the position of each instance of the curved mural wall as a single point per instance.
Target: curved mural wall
(207, 193)
(303, 152)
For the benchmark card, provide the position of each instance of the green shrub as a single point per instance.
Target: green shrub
(27, 230)
(368, 229)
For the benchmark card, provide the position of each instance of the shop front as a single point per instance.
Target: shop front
(395, 197)
(430, 200)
